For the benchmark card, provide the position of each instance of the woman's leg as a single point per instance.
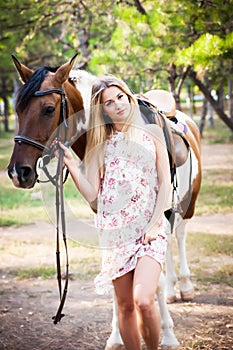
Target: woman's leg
(126, 312)
(146, 276)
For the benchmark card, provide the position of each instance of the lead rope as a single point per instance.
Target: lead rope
(60, 214)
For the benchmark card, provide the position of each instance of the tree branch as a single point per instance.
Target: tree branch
(192, 74)
(139, 7)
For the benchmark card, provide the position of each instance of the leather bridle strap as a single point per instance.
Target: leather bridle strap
(49, 92)
(20, 138)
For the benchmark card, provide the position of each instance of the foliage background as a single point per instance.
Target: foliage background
(174, 45)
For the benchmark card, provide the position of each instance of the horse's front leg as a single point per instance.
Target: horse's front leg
(186, 286)
(115, 341)
(169, 339)
(171, 277)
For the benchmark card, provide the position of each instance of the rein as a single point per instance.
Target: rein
(58, 181)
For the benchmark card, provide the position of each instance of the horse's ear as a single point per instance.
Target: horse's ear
(62, 74)
(23, 71)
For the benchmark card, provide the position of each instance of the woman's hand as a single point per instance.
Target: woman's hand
(68, 156)
(151, 234)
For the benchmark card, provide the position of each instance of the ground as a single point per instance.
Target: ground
(27, 305)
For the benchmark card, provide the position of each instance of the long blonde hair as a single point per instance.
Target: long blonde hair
(100, 126)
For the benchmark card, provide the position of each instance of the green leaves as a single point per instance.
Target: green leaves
(134, 40)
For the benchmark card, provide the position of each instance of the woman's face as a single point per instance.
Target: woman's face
(116, 105)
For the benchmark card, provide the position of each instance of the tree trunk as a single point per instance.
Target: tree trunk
(6, 113)
(203, 116)
(209, 106)
(172, 82)
(220, 94)
(6, 105)
(190, 100)
(172, 76)
(220, 112)
(230, 98)
(16, 84)
(211, 116)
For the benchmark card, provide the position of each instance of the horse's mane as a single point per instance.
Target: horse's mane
(33, 84)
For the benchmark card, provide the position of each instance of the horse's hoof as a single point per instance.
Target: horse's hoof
(187, 296)
(114, 347)
(171, 299)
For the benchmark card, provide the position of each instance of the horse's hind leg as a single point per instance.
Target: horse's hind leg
(185, 284)
(169, 339)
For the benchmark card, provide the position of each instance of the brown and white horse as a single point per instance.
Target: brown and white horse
(39, 114)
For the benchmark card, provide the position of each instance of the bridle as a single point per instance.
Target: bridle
(64, 113)
(58, 182)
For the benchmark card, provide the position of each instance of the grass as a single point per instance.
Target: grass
(34, 272)
(17, 206)
(6, 145)
(209, 244)
(216, 194)
(83, 266)
(219, 134)
(86, 268)
(223, 274)
(210, 257)
(215, 199)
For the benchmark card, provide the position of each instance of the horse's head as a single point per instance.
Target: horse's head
(40, 110)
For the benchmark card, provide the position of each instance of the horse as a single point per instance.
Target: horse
(38, 107)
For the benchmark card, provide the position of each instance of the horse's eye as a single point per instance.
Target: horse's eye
(49, 110)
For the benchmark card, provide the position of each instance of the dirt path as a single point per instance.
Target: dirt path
(26, 306)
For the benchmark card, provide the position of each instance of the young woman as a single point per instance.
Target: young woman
(127, 180)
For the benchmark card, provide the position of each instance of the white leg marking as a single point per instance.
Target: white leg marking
(169, 338)
(186, 286)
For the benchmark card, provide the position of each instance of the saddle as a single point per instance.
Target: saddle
(151, 115)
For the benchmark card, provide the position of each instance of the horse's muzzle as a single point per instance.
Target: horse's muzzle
(22, 176)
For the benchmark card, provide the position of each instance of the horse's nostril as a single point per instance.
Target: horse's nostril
(10, 174)
(23, 173)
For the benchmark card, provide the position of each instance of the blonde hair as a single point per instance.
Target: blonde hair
(100, 126)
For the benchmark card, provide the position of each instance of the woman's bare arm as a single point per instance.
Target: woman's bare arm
(164, 179)
(87, 183)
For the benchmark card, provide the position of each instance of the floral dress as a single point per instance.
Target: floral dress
(126, 202)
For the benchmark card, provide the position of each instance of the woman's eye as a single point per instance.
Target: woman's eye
(49, 110)
(120, 96)
(108, 104)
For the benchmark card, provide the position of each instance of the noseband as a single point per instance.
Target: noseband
(64, 113)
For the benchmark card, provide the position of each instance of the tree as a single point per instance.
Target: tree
(151, 44)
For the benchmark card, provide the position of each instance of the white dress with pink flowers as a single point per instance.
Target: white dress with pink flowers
(126, 202)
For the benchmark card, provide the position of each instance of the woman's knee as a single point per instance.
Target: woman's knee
(144, 304)
(126, 308)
